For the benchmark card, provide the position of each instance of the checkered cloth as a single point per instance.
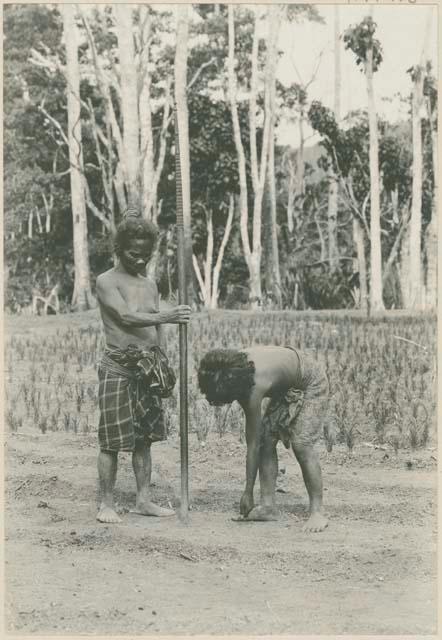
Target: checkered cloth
(299, 416)
(130, 408)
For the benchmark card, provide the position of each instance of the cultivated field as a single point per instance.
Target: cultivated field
(372, 571)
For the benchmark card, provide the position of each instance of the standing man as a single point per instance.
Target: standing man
(297, 415)
(134, 372)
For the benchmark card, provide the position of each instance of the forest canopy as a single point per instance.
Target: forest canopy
(342, 217)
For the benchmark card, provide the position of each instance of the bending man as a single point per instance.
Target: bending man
(298, 391)
(134, 370)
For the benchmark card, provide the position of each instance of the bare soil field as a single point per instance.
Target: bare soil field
(373, 571)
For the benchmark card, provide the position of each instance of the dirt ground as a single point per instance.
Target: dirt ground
(373, 571)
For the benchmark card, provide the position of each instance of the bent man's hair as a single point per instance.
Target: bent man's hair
(133, 227)
(225, 375)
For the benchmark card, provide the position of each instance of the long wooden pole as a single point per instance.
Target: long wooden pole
(182, 299)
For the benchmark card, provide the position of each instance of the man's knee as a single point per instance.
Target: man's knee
(108, 453)
(142, 446)
(304, 452)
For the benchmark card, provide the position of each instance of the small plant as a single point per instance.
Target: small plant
(80, 394)
(221, 419)
(350, 437)
(75, 420)
(419, 428)
(54, 422)
(11, 420)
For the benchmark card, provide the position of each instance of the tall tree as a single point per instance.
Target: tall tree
(129, 100)
(252, 254)
(415, 293)
(82, 297)
(430, 93)
(258, 163)
(333, 252)
(209, 275)
(360, 39)
(273, 274)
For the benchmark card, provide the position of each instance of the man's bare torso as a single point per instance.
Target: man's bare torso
(141, 295)
(276, 369)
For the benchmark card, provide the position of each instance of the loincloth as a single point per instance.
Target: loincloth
(298, 416)
(129, 398)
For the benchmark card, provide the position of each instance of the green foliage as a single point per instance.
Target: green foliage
(430, 89)
(324, 290)
(37, 166)
(360, 39)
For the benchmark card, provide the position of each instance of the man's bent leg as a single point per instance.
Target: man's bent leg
(142, 466)
(107, 474)
(311, 472)
(268, 471)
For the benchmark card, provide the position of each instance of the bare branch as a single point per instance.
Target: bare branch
(394, 250)
(199, 71)
(55, 122)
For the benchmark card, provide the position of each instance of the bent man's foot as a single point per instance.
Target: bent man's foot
(316, 522)
(150, 509)
(262, 514)
(108, 515)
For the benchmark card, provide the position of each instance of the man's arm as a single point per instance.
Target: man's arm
(161, 329)
(112, 300)
(252, 412)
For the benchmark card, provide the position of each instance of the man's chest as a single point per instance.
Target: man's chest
(139, 294)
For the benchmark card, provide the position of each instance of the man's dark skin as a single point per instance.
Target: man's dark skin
(275, 371)
(129, 306)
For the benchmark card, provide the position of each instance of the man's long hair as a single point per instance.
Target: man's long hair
(225, 375)
(133, 227)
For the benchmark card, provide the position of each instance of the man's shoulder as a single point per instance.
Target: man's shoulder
(107, 277)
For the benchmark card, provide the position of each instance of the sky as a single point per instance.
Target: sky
(401, 31)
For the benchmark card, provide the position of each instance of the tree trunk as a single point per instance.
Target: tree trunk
(210, 282)
(333, 251)
(358, 236)
(415, 254)
(431, 247)
(129, 102)
(219, 260)
(404, 269)
(243, 195)
(376, 301)
(209, 257)
(291, 193)
(300, 165)
(183, 126)
(431, 232)
(273, 274)
(82, 297)
(416, 284)
(259, 168)
(144, 109)
(30, 223)
(274, 25)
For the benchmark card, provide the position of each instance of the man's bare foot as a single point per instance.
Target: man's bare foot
(108, 515)
(148, 508)
(262, 514)
(316, 522)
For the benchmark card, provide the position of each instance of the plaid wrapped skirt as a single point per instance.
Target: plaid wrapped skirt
(129, 411)
(299, 416)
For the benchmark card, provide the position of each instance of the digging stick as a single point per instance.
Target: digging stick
(182, 299)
